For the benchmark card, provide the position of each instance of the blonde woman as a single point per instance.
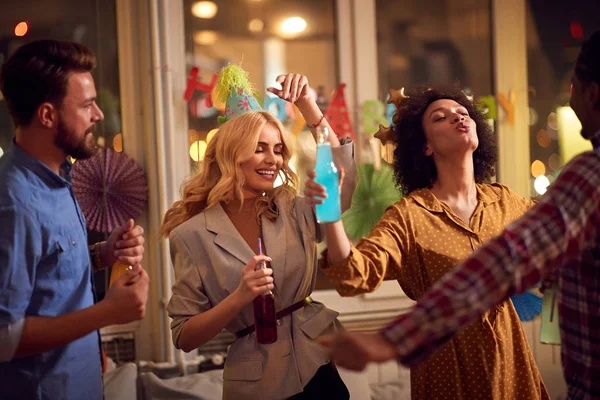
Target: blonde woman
(213, 232)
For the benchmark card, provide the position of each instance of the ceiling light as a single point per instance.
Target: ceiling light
(204, 9)
(256, 25)
(293, 25)
(205, 38)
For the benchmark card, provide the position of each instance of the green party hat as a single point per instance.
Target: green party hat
(235, 90)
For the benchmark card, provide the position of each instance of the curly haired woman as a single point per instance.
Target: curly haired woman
(443, 162)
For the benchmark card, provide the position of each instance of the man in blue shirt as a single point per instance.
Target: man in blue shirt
(49, 340)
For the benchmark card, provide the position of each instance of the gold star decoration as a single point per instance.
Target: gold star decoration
(385, 134)
(396, 96)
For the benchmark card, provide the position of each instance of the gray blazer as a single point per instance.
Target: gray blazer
(208, 254)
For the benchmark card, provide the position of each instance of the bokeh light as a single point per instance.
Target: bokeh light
(533, 116)
(293, 25)
(543, 138)
(551, 121)
(118, 142)
(205, 38)
(256, 25)
(210, 135)
(554, 162)
(204, 9)
(537, 168)
(541, 184)
(21, 28)
(576, 30)
(197, 150)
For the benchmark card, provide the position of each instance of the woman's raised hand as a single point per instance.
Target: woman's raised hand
(294, 88)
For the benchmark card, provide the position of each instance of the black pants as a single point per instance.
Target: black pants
(326, 385)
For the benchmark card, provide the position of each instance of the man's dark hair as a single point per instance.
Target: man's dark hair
(412, 168)
(587, 67)
(38, 72)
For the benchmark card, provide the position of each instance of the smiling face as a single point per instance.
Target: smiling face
(262, 168)
(449, 129)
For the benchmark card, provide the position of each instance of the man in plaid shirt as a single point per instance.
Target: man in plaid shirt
(560, 235)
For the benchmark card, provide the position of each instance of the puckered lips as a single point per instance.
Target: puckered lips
(462, 127)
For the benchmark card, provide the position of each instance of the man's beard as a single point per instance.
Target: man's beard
(73, 146)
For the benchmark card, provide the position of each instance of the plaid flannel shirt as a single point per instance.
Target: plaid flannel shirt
(560, 234)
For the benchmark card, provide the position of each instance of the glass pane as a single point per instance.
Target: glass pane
(555, 31)
(434, 42)
(257, 34)
(253, 33)
(91, 22)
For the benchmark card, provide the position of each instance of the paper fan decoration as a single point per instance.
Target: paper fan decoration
(110, 187)
(528, 305)
(376, 191)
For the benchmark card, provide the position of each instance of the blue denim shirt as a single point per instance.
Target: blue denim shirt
(45, 271)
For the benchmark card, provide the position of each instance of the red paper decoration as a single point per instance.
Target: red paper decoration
(193, 85)
(337, 114)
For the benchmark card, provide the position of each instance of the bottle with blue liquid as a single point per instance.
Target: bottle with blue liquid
(328, 176)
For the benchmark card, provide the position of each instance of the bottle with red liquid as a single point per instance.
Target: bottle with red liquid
(265, 320)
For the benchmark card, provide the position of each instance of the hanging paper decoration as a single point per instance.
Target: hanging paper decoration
(193, 85)
(390, 110)
(110, 187)
(198, 108)
(276, 106)
(375, 192)
(386, 134)
(489, 105)
(508, 104)
(373, 111)
(337, 114)
(299, 124)
(290, 110)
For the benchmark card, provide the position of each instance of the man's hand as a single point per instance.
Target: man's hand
(126, 298)
(355, 350)
(126, 244)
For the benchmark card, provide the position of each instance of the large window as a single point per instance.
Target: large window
(434, 42)
(268, 38)
(555, 31)
(91, 22)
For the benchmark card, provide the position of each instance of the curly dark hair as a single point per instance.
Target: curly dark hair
(412, 168)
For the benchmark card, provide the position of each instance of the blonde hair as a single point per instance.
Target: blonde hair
(220, 177)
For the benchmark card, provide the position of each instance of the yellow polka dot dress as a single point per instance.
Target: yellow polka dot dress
(416, 242)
